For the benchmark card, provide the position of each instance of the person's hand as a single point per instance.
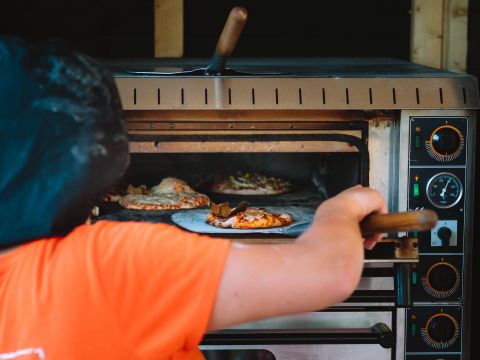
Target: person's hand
(349, 208)
(321, 268)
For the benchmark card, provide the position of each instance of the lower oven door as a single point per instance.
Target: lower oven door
(322, 335)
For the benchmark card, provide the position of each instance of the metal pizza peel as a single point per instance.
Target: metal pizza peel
(194, 220)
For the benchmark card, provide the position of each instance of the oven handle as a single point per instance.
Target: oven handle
(379, 333)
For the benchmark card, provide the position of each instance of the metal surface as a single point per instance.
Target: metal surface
(375, 283)
(400, 322)
(302, 84)
(323, 320)
(379, 148)
(309, 352)
(142, 93)
(194, 220)
(333, 321)
(406, 248)
(308, 97)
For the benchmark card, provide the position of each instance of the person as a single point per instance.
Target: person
(130, 290)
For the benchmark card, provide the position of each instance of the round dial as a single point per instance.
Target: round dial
(444, 190)
(441, 331)
(442, 280)
(445, 144)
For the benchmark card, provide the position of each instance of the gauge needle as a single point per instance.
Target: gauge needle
(444, 190)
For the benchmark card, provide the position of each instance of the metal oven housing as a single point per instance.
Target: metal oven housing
(401, 128)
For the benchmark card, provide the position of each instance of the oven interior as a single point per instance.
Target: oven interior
(314, 177)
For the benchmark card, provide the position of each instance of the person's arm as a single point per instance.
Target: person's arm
(321, 268)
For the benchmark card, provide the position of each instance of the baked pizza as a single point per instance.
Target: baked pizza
(170, 194)
(116, 192)
(245, 183)
(243, 217)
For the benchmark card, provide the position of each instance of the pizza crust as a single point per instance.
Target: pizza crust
(251, 218)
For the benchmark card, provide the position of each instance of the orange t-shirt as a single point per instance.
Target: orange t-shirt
(110, 291)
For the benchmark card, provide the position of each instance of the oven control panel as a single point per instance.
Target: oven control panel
(437, 180)
(434, 329)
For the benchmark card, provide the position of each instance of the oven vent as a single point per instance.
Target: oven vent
(216, 93)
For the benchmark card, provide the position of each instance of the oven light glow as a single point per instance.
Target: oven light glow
(416, 190)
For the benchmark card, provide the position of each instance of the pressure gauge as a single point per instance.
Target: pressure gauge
(444, 190)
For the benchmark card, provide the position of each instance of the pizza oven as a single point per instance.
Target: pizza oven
(324, 125)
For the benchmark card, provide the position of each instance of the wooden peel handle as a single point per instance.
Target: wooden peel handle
(231, 31)
(397, 222)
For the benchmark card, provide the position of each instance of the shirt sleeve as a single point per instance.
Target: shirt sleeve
(159, 282)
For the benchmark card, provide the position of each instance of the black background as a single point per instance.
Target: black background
(124, 29)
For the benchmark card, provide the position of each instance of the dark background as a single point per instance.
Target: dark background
(109, 29)
(124, 28)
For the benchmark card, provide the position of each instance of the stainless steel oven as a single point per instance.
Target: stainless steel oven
(327, 124)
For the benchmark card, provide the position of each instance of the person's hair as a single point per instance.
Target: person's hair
(62, 138)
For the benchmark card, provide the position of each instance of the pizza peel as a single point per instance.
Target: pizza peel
(226, 44)
(194, 220)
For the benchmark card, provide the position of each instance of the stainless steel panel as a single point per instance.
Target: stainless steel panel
(311, 352)
(379, 134)
(400, 346)
(322, 320)
(247, 93)
(376, 283)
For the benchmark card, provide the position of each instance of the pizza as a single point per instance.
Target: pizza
(170, 194)
(248, 218)
(245, 183)
(116, 192)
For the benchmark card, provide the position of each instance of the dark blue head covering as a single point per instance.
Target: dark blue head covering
(62, 139)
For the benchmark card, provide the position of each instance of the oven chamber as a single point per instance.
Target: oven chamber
(324, 125)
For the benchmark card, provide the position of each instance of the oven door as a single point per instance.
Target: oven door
(348, 334)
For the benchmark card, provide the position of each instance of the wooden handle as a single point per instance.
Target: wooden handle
(231, 31)
(397, 222)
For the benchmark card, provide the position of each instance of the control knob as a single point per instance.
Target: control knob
(445, 143)
(444, 233)
(441, 331)
(442, 280)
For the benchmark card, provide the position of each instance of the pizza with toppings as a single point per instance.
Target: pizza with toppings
(243, 217)
(170, 194)
(245, 183)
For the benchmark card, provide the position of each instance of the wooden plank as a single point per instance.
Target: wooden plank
(427, 32)
(439, 34)
(455, 39)
(168, 28)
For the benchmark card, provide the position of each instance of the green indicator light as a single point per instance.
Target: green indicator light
(414, 329)
(418, 141)
(414, 278)
(416, 191)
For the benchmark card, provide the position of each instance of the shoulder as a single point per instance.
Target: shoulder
(144, 239)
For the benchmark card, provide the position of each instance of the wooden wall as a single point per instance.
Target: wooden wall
(439, 34)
